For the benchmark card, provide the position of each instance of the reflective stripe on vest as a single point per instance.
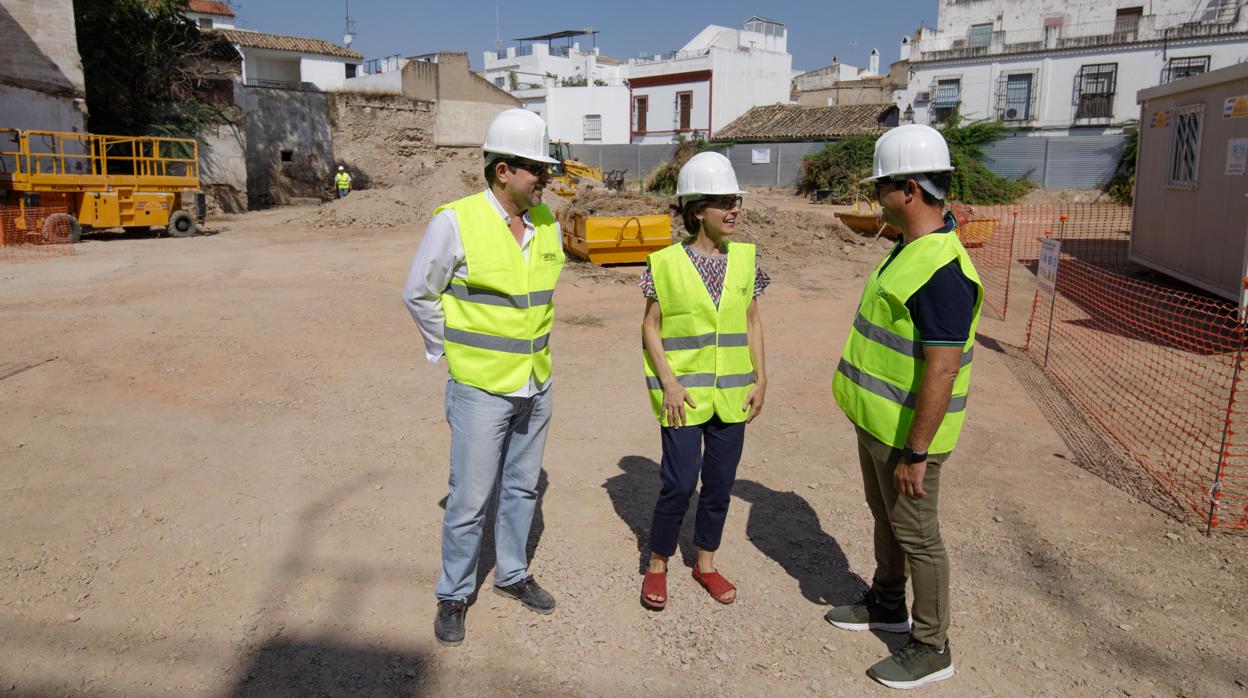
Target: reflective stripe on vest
(343, 179)
(878, 378)
(498, 320)
(707, 347)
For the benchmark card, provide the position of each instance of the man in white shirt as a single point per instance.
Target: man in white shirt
(480, 290)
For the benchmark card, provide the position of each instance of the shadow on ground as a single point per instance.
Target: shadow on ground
(286, 667)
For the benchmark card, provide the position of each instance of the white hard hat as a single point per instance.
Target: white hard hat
(912, 150)
(341, 168)
(518, 133)
(706, 174)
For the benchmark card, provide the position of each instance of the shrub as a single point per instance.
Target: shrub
(842, 165)
(1121, 188)
(662, 179)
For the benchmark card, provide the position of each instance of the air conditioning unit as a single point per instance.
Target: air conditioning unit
(1011, 114)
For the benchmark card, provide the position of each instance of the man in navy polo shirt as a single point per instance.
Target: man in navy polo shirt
(903, 381)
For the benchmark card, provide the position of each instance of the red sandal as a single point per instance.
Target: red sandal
(654, 584)
(715, 585)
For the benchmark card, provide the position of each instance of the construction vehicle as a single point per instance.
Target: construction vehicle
(570, 176)
(58, 179)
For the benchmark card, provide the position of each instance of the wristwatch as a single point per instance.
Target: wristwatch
(913, 456)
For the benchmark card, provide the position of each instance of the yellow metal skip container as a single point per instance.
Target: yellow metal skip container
(615, 239)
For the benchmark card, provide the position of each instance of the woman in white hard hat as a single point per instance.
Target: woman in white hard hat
(703, 339)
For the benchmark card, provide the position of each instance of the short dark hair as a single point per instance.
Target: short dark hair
(491, 175)
(688, 214)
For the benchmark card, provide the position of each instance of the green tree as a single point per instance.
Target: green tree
(137, 58)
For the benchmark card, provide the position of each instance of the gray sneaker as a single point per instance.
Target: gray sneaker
(914, 665)
(870, 615)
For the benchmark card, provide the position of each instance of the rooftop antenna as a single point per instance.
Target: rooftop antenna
(349, 34)
(498, 27)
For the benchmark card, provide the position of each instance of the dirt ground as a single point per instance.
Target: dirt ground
(225, 459)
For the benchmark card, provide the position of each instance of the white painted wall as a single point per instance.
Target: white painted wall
(566, 108)
(662, 119)
(388, 83)
(955, 17)
(1139, 66)
(326, 72)
(218, 21)
(1141, 56)
(746, 79)
(534, 67)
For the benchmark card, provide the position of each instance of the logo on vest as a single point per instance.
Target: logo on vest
(548, 257)
(743, 290)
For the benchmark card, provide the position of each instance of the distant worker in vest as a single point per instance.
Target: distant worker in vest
(702, 334)
(343, 182)
(481, 291)
(903, 381)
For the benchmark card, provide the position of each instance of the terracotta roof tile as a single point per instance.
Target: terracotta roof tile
(210, 7)
(277, 42)
(793, 122)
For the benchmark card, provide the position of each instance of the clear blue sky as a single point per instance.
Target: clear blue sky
(818, 29)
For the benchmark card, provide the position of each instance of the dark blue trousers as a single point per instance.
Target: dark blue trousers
(712, 450)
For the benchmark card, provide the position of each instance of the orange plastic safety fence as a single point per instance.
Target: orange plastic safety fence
(1157, 368)
(987, 233)
(35, 233)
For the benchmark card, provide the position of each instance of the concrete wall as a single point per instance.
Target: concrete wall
(382, 140)
(463, 123)
(1196, 233)
(41, 81)
(390, 83)
(223, 167)
(277, 120)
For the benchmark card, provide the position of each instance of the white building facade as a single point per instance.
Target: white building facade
(1063, 64)
(210, 14)
(578, 91)
(715, 78)
(292, 62)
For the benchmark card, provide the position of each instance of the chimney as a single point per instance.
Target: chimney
(904, 54)
(875, 62)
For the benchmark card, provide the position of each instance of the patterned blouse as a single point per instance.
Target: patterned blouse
(712, 270)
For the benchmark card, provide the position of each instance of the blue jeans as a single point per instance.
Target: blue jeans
(490, 432)
(711, 450)
(342, 193)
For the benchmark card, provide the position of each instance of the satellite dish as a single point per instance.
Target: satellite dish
(346, 40)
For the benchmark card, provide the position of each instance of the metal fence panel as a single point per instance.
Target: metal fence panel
(1018, 157)
(1082, 162)
(1056, 162)
(751, 173)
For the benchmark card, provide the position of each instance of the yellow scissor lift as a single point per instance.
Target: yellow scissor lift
(58, 179)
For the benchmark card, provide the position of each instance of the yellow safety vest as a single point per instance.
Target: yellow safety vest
(343, 179)
(498, 320)
(878, 379)
(707, 348)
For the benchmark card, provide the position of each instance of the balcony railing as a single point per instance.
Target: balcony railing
(672, 56)
(1092, 34)
(280, 84)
